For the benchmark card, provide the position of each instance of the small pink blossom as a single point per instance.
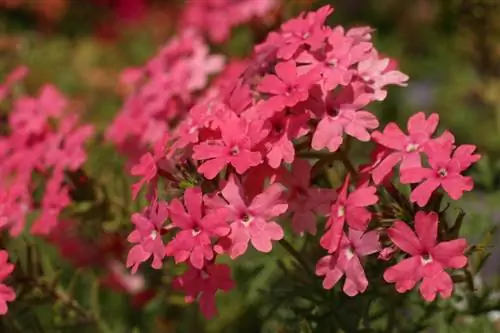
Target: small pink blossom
(446, 166)
(236, 147)
(251, 222)
(202, 285)
(285, 127)
(147, 236)
(287, 88)
(350, 208)
(347, 261)
(404, 148)
(342, 113)
(428, 258)
(304, 200)
(193, 242)
(148, 165)
(377, 73)
(30, 115)
(336, 58)
(55, 199)
(304, 30)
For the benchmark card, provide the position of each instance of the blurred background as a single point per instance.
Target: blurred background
(449, 48)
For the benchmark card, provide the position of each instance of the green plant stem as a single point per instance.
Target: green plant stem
(348, 165)
(297, 256)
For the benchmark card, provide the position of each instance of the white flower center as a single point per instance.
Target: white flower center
(234, 151)
(341, 211)
(246, 220)
(442, 172)
(426, 259)
(411, 147)
(349, 254)
(154, 234)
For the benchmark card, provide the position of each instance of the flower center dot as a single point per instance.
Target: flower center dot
(426, 258)
(349, 253)
(412, 147)
(442, 172)
(234, 151)
(341, 211)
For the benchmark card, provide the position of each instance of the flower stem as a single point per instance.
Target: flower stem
(347, 164)
(297, 256)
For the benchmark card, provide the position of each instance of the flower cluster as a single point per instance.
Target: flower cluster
(39, 143)
(217, 17)
(161, 92)
(245, 155)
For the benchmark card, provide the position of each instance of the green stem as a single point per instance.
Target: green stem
(348, 165)
(297, 256)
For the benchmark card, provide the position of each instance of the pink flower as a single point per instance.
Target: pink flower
(65, 149)
(30, 115)
(236, 147)
(348, 208)
(284, 127)
(12, 78)
(336, 58)
(428, 258)
(304, 200)
(147, 167)
(341, 113)
(305, 30)
(7, 294)
(193, 242)
(405, 148)
(445, 170)
(147, 236)
(15, 203)
(287, 88)
(162, 91)
(347, 261)
(202, 285)
(377, 73)
(251, 222)
(119, 279)
(55, 199)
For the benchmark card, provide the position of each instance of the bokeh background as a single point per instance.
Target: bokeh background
(449, 48)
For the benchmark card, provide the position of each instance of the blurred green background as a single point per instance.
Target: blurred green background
(449, 48)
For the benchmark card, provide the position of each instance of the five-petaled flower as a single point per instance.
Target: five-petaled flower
(251, 222)
(428, 257)
(194, 242)
(347, 261)
(446, 167)
(350, 208)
